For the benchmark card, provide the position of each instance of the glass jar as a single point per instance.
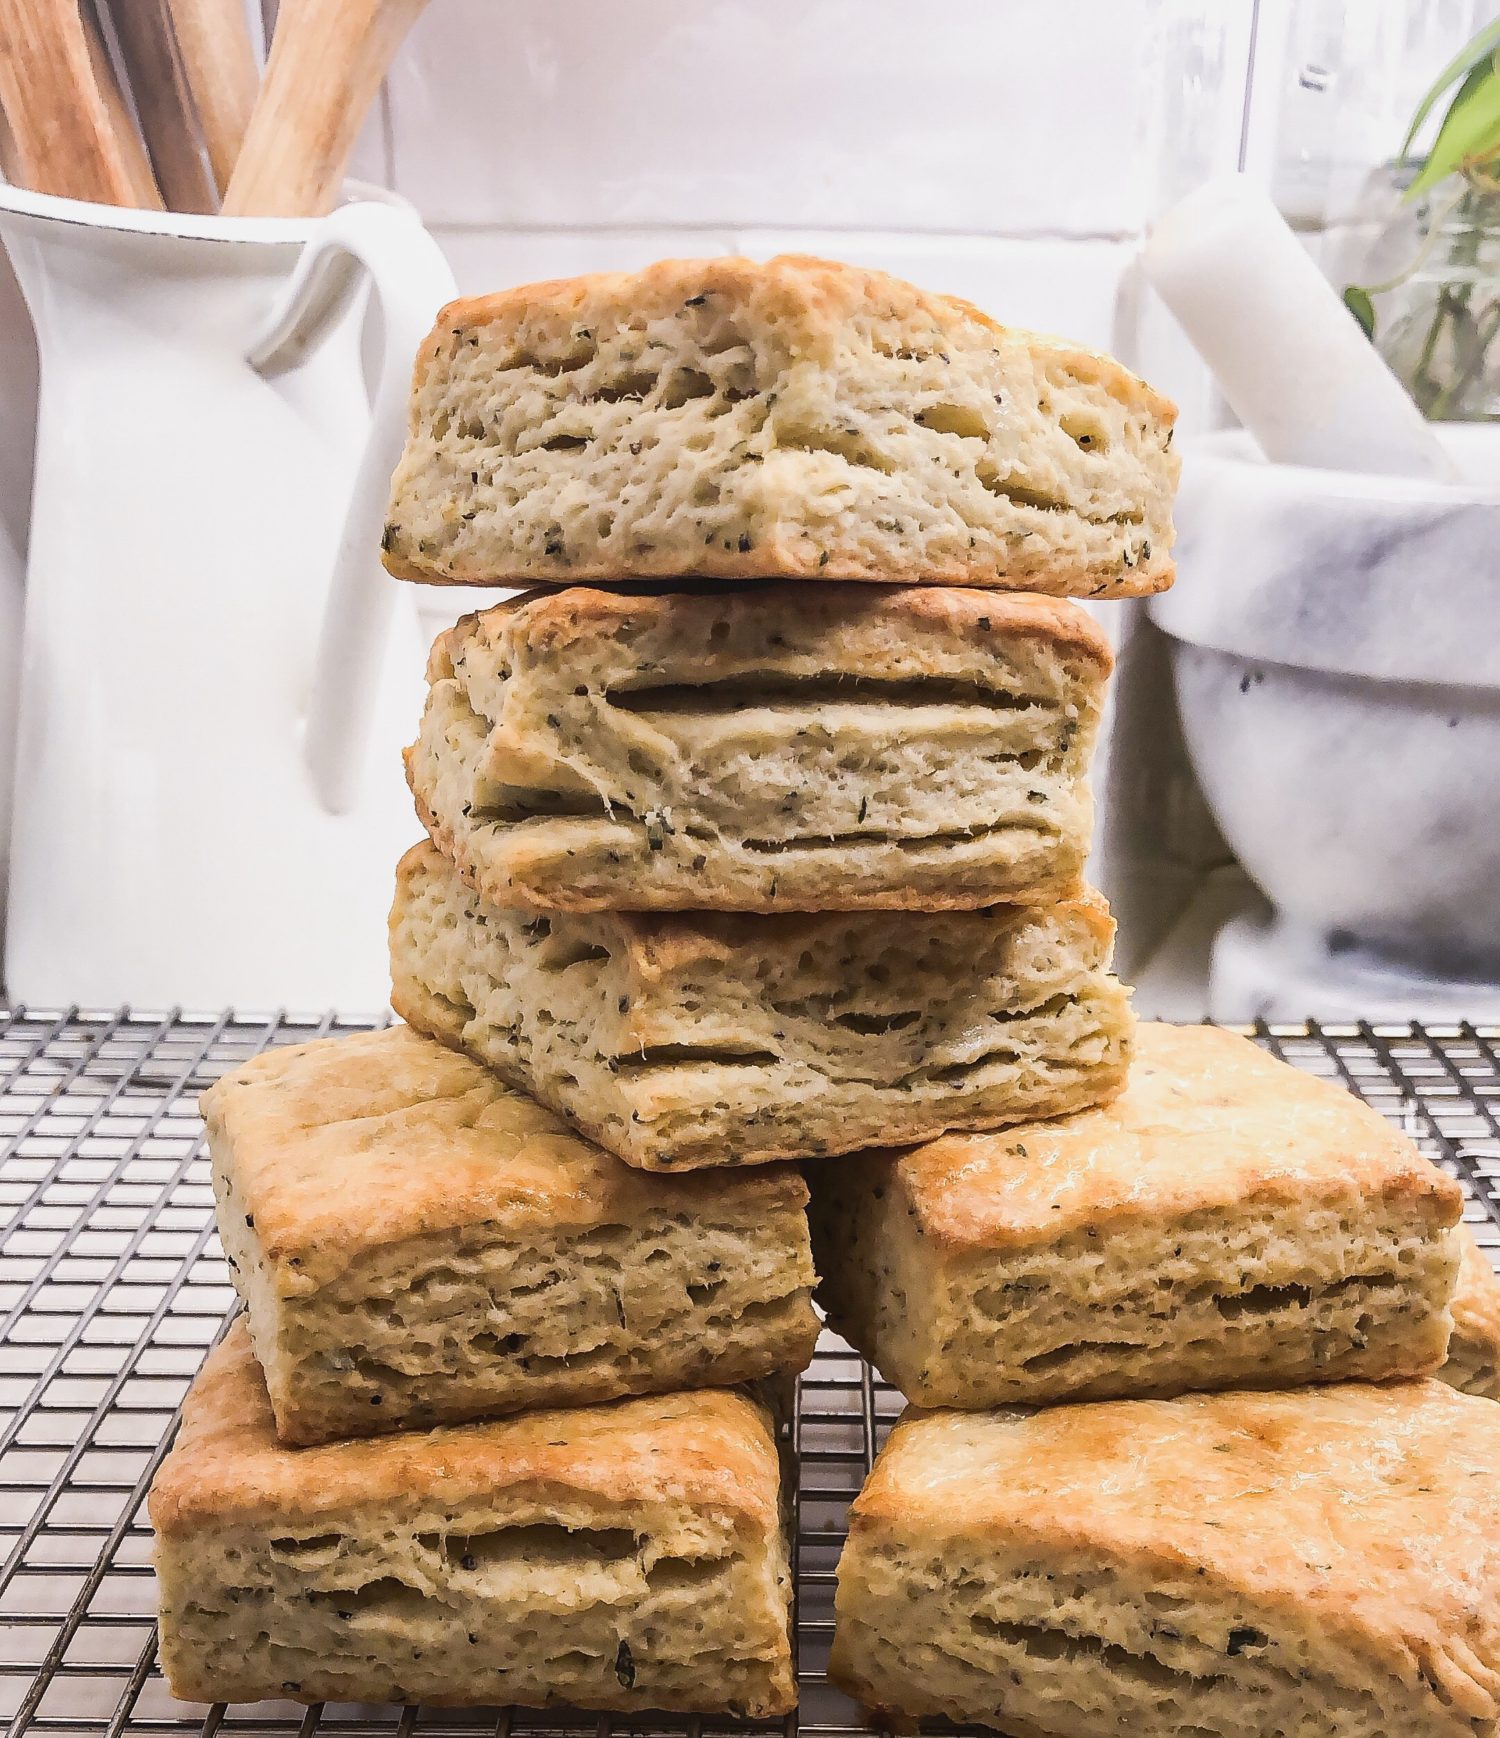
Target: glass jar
(1438, 324)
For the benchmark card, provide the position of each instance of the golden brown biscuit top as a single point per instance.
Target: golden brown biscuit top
(345, 1144)
(1208, 1120)
(558, 618)
(650, 948)
(659, 945)
(809, 301)
(1374, 1511)
(712, 1450)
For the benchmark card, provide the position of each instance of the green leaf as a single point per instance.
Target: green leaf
(1470, 129)
(1487, 41)
(1358, 302)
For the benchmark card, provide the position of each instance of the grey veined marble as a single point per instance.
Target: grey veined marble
(1337, 659)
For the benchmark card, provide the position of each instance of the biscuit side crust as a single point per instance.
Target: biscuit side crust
(797, 419)
(726, 1039)
(467, 1323)
(1253, 1295)
(1226, 1222)
(416, 1241)
(759, 750)
(1474, 1351)
(626, 1557)
(1320, 1562)
(1209, 1120)
(1048, 1646)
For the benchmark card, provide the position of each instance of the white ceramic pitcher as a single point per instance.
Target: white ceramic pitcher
(217, 676)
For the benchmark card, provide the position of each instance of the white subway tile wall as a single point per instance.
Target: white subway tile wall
(960, 115)
(567, 138)
(494, 257)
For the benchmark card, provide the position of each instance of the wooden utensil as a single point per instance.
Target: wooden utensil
(143, 29)
(327, 60)
(218, 59)
(72, 130)
(121, 117)
(10, 159)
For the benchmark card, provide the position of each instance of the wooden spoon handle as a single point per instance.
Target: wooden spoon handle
(71, 128)
(218, 58)
(327, 60)
(145, 192)
(143, 29)
(11, 165)
(121, 120)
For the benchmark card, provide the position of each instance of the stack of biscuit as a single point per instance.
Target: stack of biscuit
(1178, 1460)
(756, 833)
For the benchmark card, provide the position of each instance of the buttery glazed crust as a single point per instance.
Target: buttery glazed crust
(1359, 1525)
(345, 1145)
(853, 428)
(226, 1468)
(584, 617)
(1208, 1120)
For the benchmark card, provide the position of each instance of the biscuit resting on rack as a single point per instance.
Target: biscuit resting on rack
(626, 1557)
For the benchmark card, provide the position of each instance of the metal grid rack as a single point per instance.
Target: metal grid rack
(112, 1287)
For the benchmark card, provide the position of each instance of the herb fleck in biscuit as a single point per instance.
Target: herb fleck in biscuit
(764, 748)
(797, 419)
(719, 1038)
(418, 1243)
(615, 1557)
(1324, 1563)
(1228, 1221)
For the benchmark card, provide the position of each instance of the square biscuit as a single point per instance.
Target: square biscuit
(417, 1243)
(795, 419)
(624, 1557)
(718, 1038)
(1474, 1350)
(1228, 1221)
(764, 749)
(1323, 1563)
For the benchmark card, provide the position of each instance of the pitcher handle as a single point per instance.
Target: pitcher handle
(411, 280)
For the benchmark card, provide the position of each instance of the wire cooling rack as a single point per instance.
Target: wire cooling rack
(112, 1287)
